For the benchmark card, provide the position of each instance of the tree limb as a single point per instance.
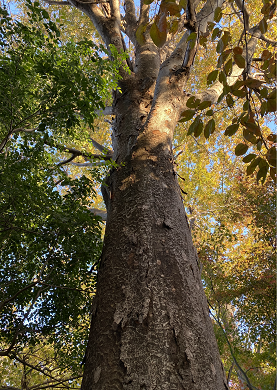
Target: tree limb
(245, 377)
(243, 9)
(106, 111)
(53, 2)
(99, 213)
(130, 18)
(102, 148)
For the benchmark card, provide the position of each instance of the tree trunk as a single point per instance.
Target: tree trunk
(150, 323)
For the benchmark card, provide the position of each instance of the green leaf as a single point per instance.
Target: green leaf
(216, 33)
(198, 130)
(228, 67)
(203, 105)
(209, 128)
(194, 125)
(261, 175)
(251, 168)
(271, 156)
(272, 94)
(209, 112)
(183, 4)
(192, 102)
(229, 100)
(249, 136)
(253, 127)
(239, 60)
(220, 46)
(187, 115)
(232, 129)
(217, 14)
(271, 105)
(158, 36)
(212, 76)
(253, 83)
(263, 26)
(192, 36)
(222, 78)
(147, 2)
(241, 149)
(140, 34)
(249, 157)
(174, 27)
(246, 105)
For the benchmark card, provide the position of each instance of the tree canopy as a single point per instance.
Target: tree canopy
(52, 91)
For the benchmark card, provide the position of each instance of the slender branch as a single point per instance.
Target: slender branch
(52, 2)
(57, 382)
(267, 40)
(232, 353)
(101, 147)
(245, 13)
(67, 160)
(3, 303)
(87, 164)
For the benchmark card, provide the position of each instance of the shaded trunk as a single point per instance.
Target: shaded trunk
(150, 324)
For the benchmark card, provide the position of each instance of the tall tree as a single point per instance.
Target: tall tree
(150, 322)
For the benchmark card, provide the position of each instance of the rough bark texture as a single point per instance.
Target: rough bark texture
(150, 323)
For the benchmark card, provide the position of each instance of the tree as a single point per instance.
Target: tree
(150, 322)
(50, 239)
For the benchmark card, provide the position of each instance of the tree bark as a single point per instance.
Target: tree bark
(150, 324)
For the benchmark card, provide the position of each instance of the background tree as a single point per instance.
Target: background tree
(50, 238)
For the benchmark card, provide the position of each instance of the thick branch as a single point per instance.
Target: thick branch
(144, 13)
(102, 148)
(106, 111)
(130, 18)
(99, 213)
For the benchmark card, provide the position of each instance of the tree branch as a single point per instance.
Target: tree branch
(99, 213)
(245, 377)
(106, 111)
(130, 18)
(243, 9)
(102, 148)
(53, 2)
